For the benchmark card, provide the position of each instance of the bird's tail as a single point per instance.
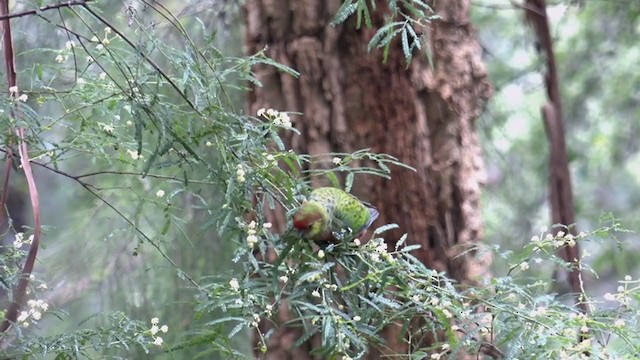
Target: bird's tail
(373, 215)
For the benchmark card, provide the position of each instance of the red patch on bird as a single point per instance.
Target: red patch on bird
(299, 224)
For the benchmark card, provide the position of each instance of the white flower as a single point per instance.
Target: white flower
(535, 238)
(240, 173)
(620, 288)
(99, 47)
(267, 225)
(23, 316)
(619, 323)
(94, 39)
(155, 321)
(627, 278)
(238, 302)
(320, 254)
(23, 97)
(357, 318)
(584, 329)
(102, 76)
(435, 356)
(158, 341)
(108, 128)
(160, 193)
(134, 154)
(284, 278)
(37, 315)
(261, 112)
(89, 59)
(252, 240)
(272, 112)
(446, 346)
(107, 30)
(270, 157)
(356, 242)
(315, 293)
(609, 297)
(81, 81)
(43, 286)
(235, 285)
(209, 143)
(524, 265)
(13, 90)
(154, 329)
(69, 45)
(336, 160)
(60, 59)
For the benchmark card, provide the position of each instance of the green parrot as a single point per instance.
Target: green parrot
(331, 213)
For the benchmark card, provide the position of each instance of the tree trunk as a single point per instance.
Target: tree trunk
(351, 100)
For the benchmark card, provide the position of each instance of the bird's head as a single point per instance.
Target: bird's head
(310, 219)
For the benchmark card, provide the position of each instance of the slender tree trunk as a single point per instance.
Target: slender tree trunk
(423, 115)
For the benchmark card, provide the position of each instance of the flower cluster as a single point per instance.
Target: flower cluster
(279, 118)
(252, 238)
(155, 329)
(105, 41)
(240, 173)
(379, 250)
(622, 294)
(13, 90)
(36, 308)
(108, 128)
(560, 239)
(134, 154)
(19, 240)
(445, 349)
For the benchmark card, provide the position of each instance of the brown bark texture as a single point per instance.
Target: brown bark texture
(422, 115)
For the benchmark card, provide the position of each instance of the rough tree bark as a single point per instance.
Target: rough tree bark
(422, 115)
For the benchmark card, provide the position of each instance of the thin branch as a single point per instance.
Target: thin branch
(93, 190)
(44, 8)
(20, 291)
(145, 56)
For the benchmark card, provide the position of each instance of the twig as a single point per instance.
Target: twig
(20, 290)
(7, 16)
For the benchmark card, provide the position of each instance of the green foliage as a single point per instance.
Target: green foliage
(347, 294)
(406, 18)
